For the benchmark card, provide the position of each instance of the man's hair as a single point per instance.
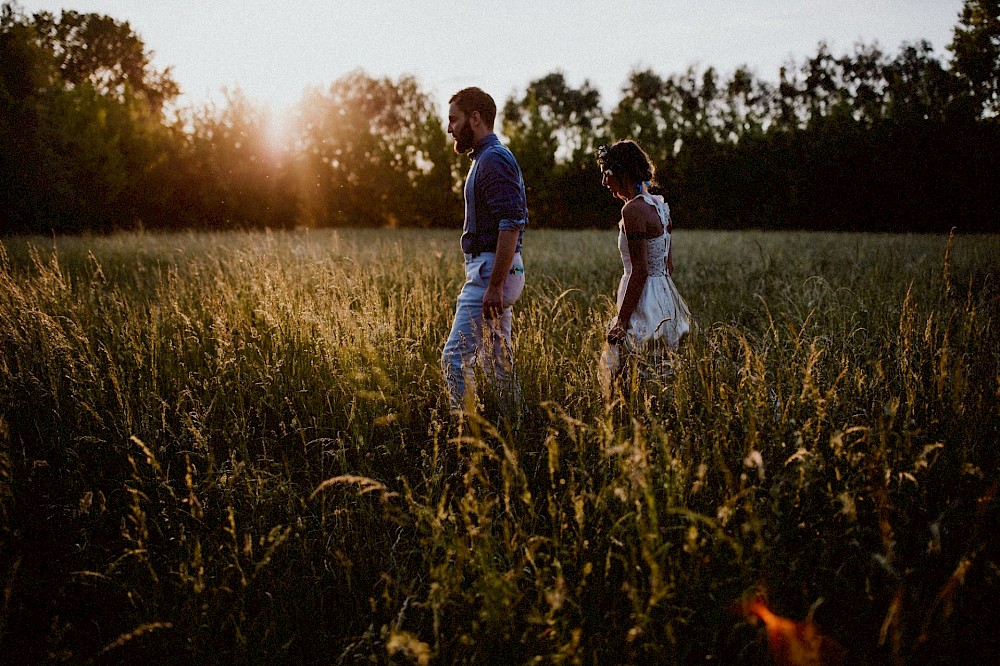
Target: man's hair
(470, 100)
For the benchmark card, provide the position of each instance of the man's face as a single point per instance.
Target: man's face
(460, 130)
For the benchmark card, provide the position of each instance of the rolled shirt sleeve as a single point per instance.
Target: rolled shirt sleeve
(500, 184)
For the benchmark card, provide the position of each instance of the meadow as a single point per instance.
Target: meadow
(236, 448)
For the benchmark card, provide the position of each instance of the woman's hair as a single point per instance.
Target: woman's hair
(627, 162)
(470, 100)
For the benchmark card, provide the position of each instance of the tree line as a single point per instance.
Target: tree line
(92, 139)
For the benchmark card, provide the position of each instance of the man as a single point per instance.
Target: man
(496, 213)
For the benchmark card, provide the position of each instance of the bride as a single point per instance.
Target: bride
(651, 315)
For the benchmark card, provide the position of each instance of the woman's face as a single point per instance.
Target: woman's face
(613, 183)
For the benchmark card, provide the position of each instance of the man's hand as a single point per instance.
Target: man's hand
(493, 298)
(493, 302)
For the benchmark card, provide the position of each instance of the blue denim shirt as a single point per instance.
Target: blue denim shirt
(495, 199)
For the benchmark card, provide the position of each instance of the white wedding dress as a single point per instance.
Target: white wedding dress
(661, 318)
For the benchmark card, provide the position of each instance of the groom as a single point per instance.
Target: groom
(496, 213)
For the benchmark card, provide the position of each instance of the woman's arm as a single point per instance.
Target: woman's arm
(635, 233)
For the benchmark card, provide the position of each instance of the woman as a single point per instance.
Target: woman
(651, 315)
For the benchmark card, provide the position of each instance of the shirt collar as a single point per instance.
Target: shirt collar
(487, 140)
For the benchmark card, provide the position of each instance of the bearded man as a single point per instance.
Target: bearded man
(496, 213)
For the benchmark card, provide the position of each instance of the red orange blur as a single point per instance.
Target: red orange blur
(792, 643)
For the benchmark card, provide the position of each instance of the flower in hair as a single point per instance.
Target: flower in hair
(603, 159)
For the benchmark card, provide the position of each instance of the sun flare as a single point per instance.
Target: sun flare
(278, 133)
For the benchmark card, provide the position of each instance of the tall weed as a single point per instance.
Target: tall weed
(237, 447)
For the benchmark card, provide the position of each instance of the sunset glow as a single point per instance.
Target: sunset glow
(279, 133)
(273, 51)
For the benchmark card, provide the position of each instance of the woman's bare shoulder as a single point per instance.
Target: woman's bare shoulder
(633, 215)
(639, 214)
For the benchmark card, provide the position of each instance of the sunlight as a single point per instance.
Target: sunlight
(278, 132)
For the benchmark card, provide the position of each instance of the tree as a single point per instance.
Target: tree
(26, 71)
(234, 176)
(107, 54)
(553, 129)
(976, 52)
(81, 126)
(747, 106)
(647, 115)
(918, 88)
(824, 88)
(373, 152)
(569, 115)
(864, 82)
(26, 68)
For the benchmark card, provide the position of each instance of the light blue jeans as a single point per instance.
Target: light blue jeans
(471, 340)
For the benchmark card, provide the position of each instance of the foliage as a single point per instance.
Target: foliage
(91, 140)
(105, 54)
(82, 133)
(232, 174)
(233, 447)
(554, 130)
(373, 153)
(976, 50)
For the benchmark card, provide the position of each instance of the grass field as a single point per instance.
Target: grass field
(235, 448)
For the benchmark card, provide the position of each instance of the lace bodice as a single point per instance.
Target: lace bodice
(656, 248)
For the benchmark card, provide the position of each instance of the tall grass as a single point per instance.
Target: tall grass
(222, 448)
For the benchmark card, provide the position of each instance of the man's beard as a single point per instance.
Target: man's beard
(465, 139)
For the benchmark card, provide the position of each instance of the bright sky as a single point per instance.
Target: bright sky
(274, 49)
